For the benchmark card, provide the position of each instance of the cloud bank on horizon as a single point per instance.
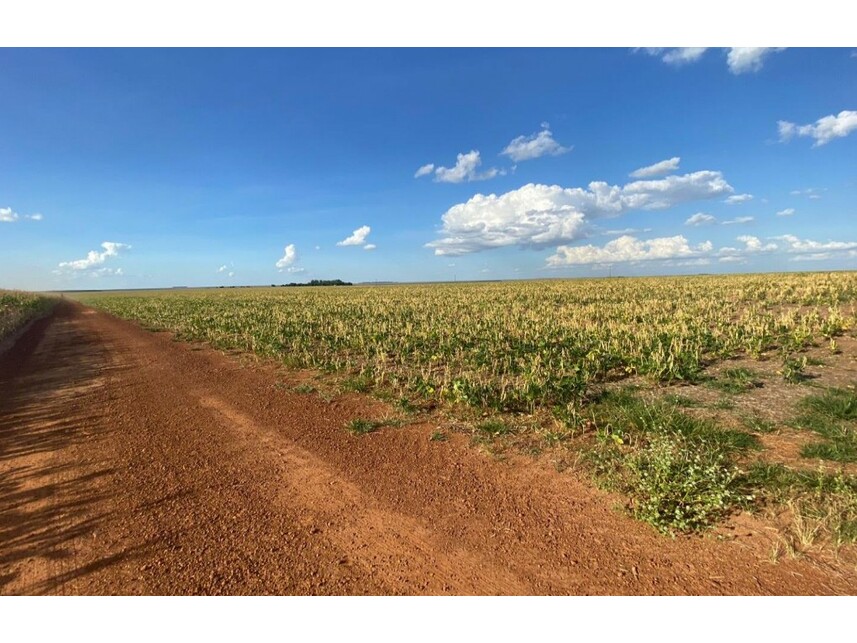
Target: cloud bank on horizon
(537, 216)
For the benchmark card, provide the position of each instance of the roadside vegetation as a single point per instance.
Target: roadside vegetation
(670, 391)
(17, 308)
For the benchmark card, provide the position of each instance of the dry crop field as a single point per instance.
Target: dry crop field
(695, 398)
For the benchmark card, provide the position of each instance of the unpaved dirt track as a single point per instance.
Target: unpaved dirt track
(132, 464)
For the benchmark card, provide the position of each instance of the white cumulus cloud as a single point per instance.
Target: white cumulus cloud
(683, 55)
(466, 169)
(524, 148)
(95, 259)
(656, 169)
(740, 60)
(629, 249)
(749, 59)
(286, 262)
(357, 238)
(428, 168)
(700, 218)
(752, 245)
(8, 215)
(738, 221)
(735, 199)
(801, 246)
(676, 56)
(786, 213)
(824, 130)
(369, 246)
(537, 215)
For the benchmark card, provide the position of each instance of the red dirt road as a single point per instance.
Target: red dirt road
(131, 464)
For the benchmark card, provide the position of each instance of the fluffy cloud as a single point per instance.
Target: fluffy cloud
(656, 169)
(524, 148)
(290, 256)
(369, 246)
(8, 215)
(536, 215)
(683, 55)
(740, 60)
(628, 249)
(466, 169)
(94, 258)
(738, 221)
(223, 268)
(752, 245)
(426, 169)
(735, 199)
(786, 213)
(749, 59)
(700, 218)
(824, 130)
(677, 56)
(357, 238)
(797, 245)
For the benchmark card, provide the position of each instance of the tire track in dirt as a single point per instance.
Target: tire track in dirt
(133, 464)
(399, 547)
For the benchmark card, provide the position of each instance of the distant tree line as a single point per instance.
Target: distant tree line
(316, 282)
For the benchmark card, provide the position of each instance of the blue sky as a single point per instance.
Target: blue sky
(143, 168)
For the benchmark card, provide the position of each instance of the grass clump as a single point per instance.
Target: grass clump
(635, 418)
(821, 506)
(359, 426)
(758, 424)
(833, 416)
(494, 428)
(406, 406)
(357, 384)
(736, 380)
(682, 401)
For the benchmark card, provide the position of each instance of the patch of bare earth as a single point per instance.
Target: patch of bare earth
(131, 464)
(775, 401)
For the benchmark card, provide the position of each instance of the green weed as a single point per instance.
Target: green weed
(359, 426)
(681, 485)
(833, 416)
